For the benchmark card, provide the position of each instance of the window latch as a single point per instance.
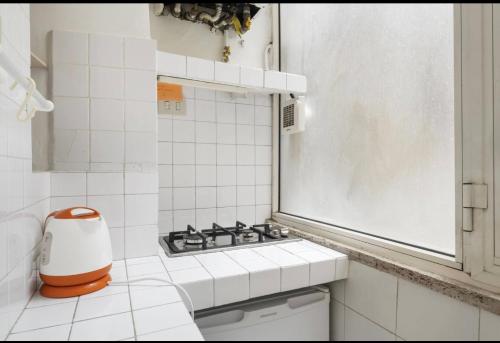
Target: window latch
(473, 196)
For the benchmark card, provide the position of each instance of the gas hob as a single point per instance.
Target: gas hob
(192, 241)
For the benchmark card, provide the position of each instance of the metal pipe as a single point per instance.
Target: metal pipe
(176, 11)
(205, 17)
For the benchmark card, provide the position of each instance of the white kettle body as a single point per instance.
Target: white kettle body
(76, 253)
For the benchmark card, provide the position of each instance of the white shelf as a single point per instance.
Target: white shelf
(197, 72)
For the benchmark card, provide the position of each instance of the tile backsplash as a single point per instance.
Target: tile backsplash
(105, 124)
(24, 194)
(215, 161)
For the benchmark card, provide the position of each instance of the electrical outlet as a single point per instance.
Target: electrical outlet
(176, 108)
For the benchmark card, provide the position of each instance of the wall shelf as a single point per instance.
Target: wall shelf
(197, 72)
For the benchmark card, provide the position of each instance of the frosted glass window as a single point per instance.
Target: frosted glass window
(378, 152)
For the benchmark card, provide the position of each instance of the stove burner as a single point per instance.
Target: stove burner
(193, 239)
(218, 237)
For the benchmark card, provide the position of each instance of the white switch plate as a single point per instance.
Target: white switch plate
(176, 108)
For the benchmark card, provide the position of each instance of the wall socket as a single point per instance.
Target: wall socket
(176, 108)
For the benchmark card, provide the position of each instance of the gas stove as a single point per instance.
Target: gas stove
(192, 241)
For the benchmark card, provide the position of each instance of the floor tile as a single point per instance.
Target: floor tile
(39, 300)
(153, 296)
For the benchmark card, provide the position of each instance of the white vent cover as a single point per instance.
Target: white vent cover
(292, 116)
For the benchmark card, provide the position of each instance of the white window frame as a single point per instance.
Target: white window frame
(470, 261)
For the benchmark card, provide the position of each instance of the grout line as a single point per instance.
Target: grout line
(73, 318)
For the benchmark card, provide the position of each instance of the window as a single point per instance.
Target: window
(378, 155)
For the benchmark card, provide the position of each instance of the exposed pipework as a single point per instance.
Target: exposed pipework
(207, 18)
(176, 11)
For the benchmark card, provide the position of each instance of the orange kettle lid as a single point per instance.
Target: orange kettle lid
(70, 213)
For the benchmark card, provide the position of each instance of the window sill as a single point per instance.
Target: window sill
(445, 279)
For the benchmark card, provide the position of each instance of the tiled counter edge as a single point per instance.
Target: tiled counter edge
(152, 310)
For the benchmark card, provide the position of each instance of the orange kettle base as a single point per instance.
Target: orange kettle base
(75, 290)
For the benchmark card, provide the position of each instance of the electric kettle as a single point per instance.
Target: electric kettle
(75, 256)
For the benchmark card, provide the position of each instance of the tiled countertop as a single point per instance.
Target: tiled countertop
(149, 310)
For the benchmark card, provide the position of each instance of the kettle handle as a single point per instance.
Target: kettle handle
(68, 213)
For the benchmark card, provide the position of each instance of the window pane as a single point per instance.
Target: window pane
(378, 153)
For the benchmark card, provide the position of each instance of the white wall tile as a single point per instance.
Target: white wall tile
(141, 116)
(245, 175)
(106, 50)
(184, 176)
(250, 76)
(226, 216)
(200, 69)
(274, 79)
(263, 175)
(183, 153)
(226, 154)
(263, 135)
(165, 175)
(245, 195)
(263, 195)
(110, 206)
(141, 183)
(372, 293)
(68, 184)
(206, 132)
(171, 64)
(246, 214)
(107, 114)
(165, 222)
(226, 196)
(262, 213)
(337, 321)
(69, 47)
(71, 113)
(141, 241)
(358, 328)
(70, 80)
(183, 131)
(245, 114)
(165, 133)
(141, 209)
(206, 154)
(439, 317)
(140, 85)
(140, 53)
(263, 115)
(165, 200)
(107, 146)
(182, 218)
(117, 236)
(140, 147)
(245, 155)
(226, 134)
(227, 72)
(489, 325)
(105, 183)
(205, 110)
(206, 176)
(206, 197)
(226, 175)
(184, 198)
(245, 134)
(59, 203)
(205, 217)
(106, 82)
(226, 113)
(164, 153)
(71, 146)
(263, 155)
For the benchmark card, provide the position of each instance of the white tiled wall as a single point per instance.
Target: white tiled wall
(24, 194)
(105, 129)
(372, 305)
(215, 161)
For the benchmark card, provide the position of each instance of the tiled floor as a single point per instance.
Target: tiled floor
(147, 310)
